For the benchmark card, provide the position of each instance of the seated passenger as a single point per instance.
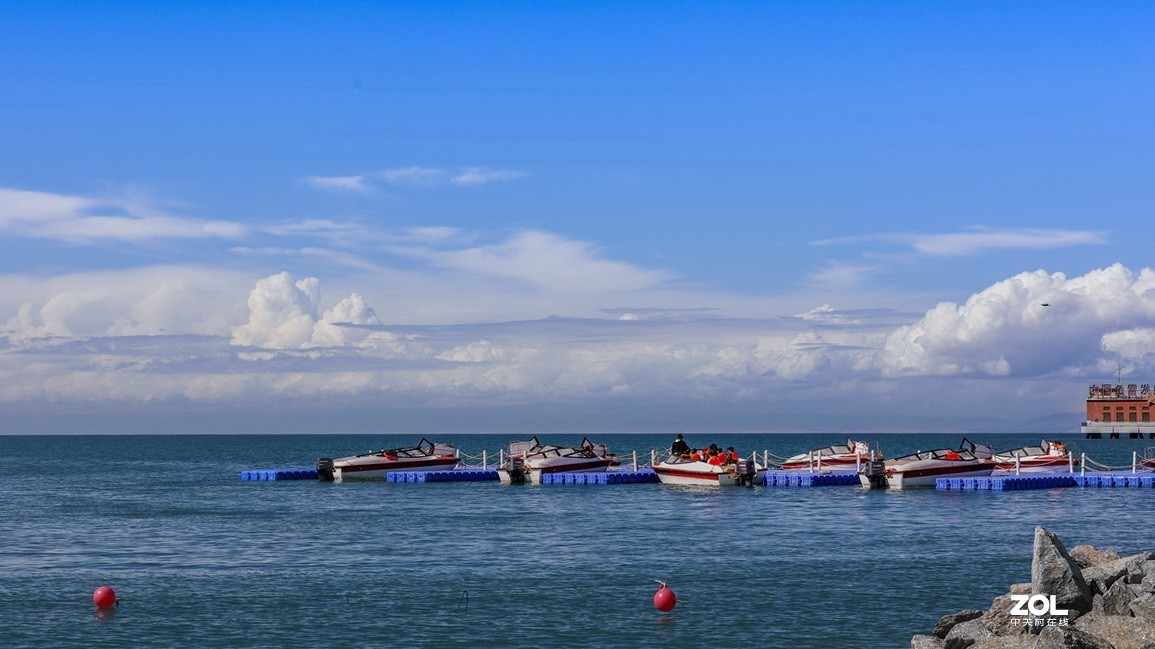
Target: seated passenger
(951, 455)
(734, 457)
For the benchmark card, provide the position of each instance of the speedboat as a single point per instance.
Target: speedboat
(1047, 457)
(530, 459)
(425, 456)
(832, 458)
(923, 468)
(684, 471)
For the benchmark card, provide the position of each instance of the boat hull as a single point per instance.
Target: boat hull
(378, 469)
(922, 474)
(702, 474)
(534, 471)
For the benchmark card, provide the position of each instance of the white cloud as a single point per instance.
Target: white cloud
(545, 260)
(483, 176)
(414, 176)
(1005, 329)
(339, 183)
(979, 239)
(84, 220)
(417, 177)
(81, 341)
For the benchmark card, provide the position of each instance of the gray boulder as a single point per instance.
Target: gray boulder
(949, 622)
(966, 634)
(926, 642)
(1113, 602)
(1122, 631)
(1054, 637)
(1142, 606)
(1053, 572)
(1087, 555)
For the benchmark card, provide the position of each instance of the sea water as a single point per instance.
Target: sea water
(200, 558)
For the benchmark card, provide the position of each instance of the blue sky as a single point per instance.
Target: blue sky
(555, 216)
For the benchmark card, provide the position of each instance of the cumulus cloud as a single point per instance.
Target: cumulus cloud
(1000, 344)
(1006, 329)
(76, 219)
(154, 300)
(283, 314)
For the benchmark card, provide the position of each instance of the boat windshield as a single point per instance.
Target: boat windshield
(938, 454)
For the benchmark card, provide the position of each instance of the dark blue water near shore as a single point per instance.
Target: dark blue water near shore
(200, 558)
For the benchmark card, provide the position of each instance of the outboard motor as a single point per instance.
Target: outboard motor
(325, 469)
(516, 470)
(875, 472)
(746, 472)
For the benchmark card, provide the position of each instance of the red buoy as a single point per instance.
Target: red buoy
(104, 597)
(665, 599)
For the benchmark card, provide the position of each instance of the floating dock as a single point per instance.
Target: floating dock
(457, 475)
(1007, 482)
(802, 479)
(1115, 480)
(280, 474)
(607, 477)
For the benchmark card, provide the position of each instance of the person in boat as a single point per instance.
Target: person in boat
(717, 459)
(734, 457)
(695, 456)
(951, 455)
(680, 447)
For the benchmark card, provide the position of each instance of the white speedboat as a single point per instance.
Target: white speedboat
(684, 471)
(923, 468)
(425, 456)
(529, 460)
(1047, 457)
(840, 457)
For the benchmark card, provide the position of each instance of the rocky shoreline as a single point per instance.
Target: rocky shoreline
(1101, 601)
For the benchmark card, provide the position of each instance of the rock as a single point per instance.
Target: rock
(1113, 602)
(1087, 555)
(998, 619)
(1103, 575)
(949, 622)
(1121, 631)
(1137, 568)
(1148, 583)
(1021, 589)
(1056, 637)
(1008, 642)
(966, 634)
(1142, 606)
(1053, 572)
(926, 642)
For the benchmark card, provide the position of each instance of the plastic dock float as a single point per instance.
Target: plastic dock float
(1007, 483)
(459, 475)
(280, 474)
(608, 477)
(797, 479)
(1138, 481)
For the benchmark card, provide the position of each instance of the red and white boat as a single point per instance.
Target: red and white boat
(922, 469)
(1047, 457)
(684, 471)
(529, 460)
(374, 465)
(840, 457)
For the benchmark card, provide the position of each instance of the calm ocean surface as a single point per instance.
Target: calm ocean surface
(200, 558)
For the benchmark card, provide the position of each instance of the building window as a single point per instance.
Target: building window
(1146, 416)
(1106, 415)
(1132, 416)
